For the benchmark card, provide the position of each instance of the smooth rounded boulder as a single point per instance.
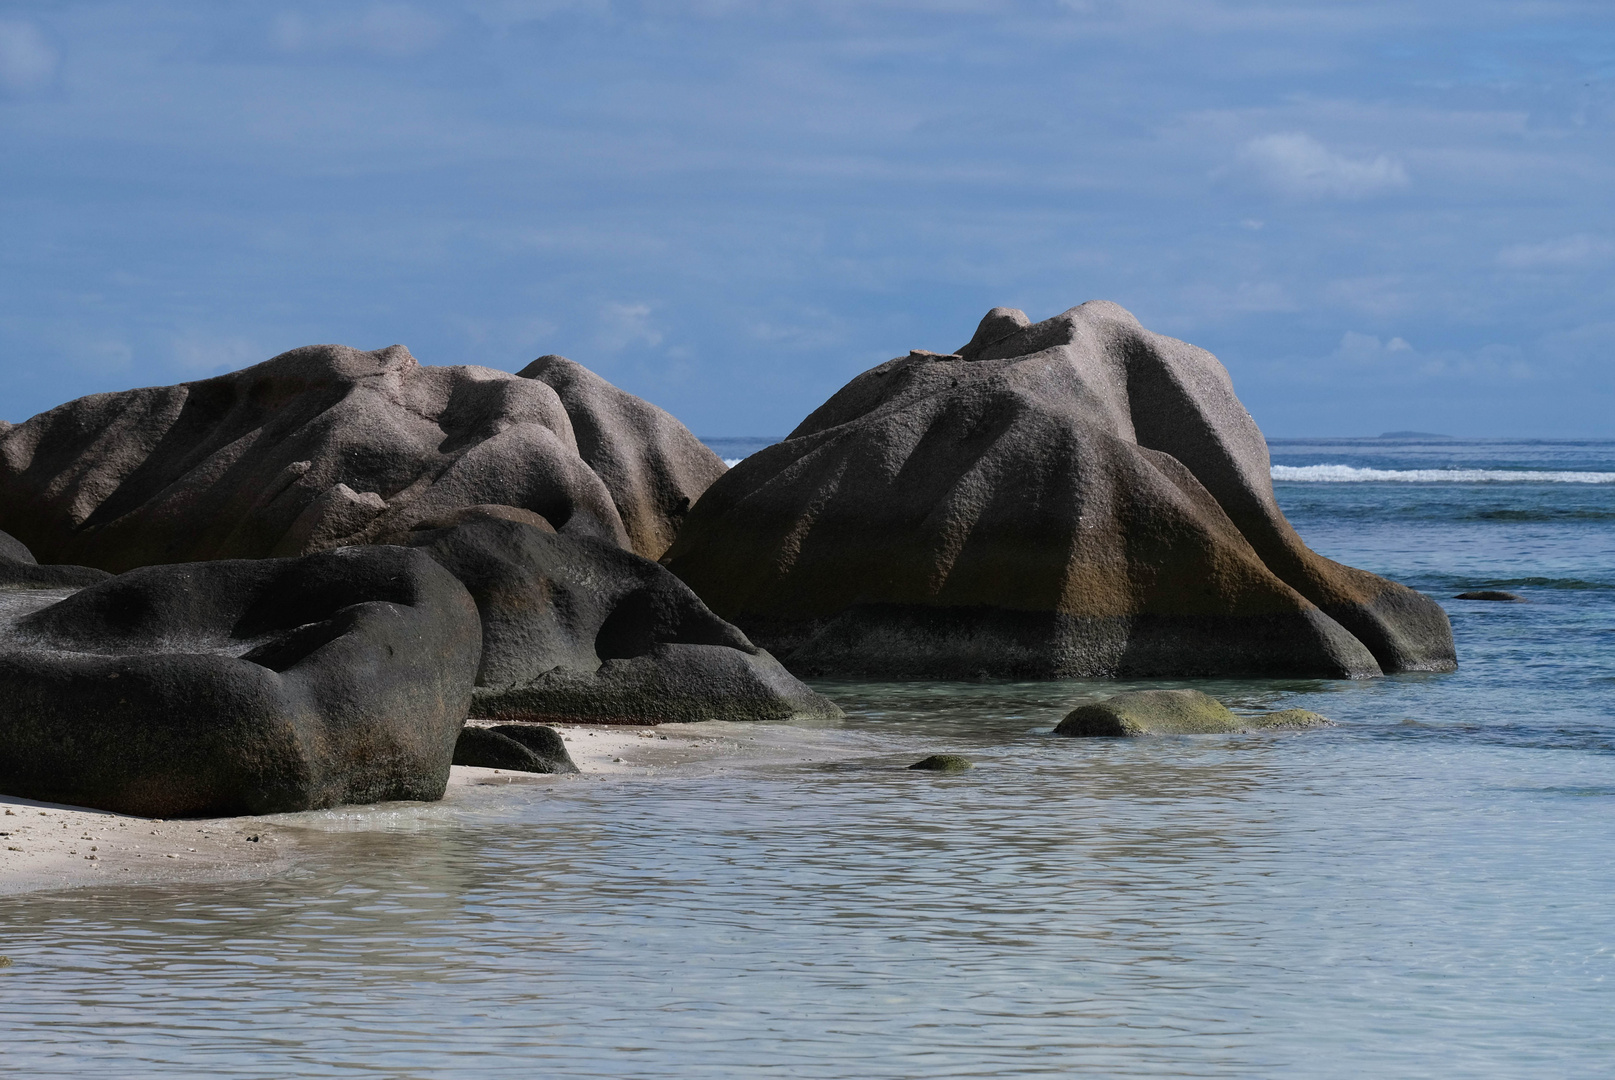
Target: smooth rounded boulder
(327, 446)
(240, 687)
(1072, 498)
(575, 629)
(532, 748)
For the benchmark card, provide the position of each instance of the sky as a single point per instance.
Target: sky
(1379, 215)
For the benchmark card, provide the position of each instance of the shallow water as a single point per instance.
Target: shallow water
(1420, 891)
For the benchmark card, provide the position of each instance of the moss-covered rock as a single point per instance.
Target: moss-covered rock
(943, 763)
(1176, 712)
(1151, 712)
(1287, 720)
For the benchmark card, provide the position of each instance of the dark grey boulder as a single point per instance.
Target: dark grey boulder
(577, 629)
(19, 570)
(530, 748)
(239, 687)
(1496, 595)
(327, 446)
(1174, 712)
(1078, 497)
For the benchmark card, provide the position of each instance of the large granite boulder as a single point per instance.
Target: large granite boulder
(20, 570)
(575, 629)
(239, 687)
(1076, 497)
(653, 467)
(328, 446)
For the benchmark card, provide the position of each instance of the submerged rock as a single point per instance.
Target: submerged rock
(1175, 712)
(327, 446)
(1078, 497)
(1287, 720)
(240, 687)
(1151, 712)
(1491, 594)
(530, 748)
(577, 629)
(943, 763)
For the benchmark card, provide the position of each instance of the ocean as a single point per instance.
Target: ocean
(1423, 890)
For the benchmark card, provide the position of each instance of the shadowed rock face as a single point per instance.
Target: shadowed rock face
(19, 570)
(327, 446)
(576, 629)
(530, 748)
(239, 687)
(1076, 497)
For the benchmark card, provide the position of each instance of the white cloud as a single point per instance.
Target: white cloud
(98, 353)
(1296, 164)
(395, 30)
(1381, 296)
(1215, 299)
(1356, 348)
(505, 13)
(1396, 360)
(625, 325)
(1570, 253)
(27, 61)
(195, 352)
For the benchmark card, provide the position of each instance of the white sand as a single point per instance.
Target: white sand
(48, 846)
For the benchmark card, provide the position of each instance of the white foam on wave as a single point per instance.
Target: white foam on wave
(732, 461)
(1350, 474)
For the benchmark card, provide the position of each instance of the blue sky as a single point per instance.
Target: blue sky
(1378, 215)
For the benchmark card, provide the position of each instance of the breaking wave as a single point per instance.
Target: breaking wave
(1350, 474)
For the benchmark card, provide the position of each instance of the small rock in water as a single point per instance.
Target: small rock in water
(1288, 719)
(1175, 712)
(943, 763)
(1150, 712)
(1491, 594)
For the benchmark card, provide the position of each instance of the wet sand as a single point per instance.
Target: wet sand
(47, 846)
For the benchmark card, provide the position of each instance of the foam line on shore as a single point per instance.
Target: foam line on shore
(1351, 474)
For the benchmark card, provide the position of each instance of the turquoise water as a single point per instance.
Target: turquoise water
(1423, 890)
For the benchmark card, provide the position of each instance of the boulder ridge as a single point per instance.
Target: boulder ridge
(327, 446)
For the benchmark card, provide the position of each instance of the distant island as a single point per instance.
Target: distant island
(1412, 435)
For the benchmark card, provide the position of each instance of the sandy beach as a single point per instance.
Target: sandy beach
(47, 846)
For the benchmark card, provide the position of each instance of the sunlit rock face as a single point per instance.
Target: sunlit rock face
(1075, 497)
(327, 446)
